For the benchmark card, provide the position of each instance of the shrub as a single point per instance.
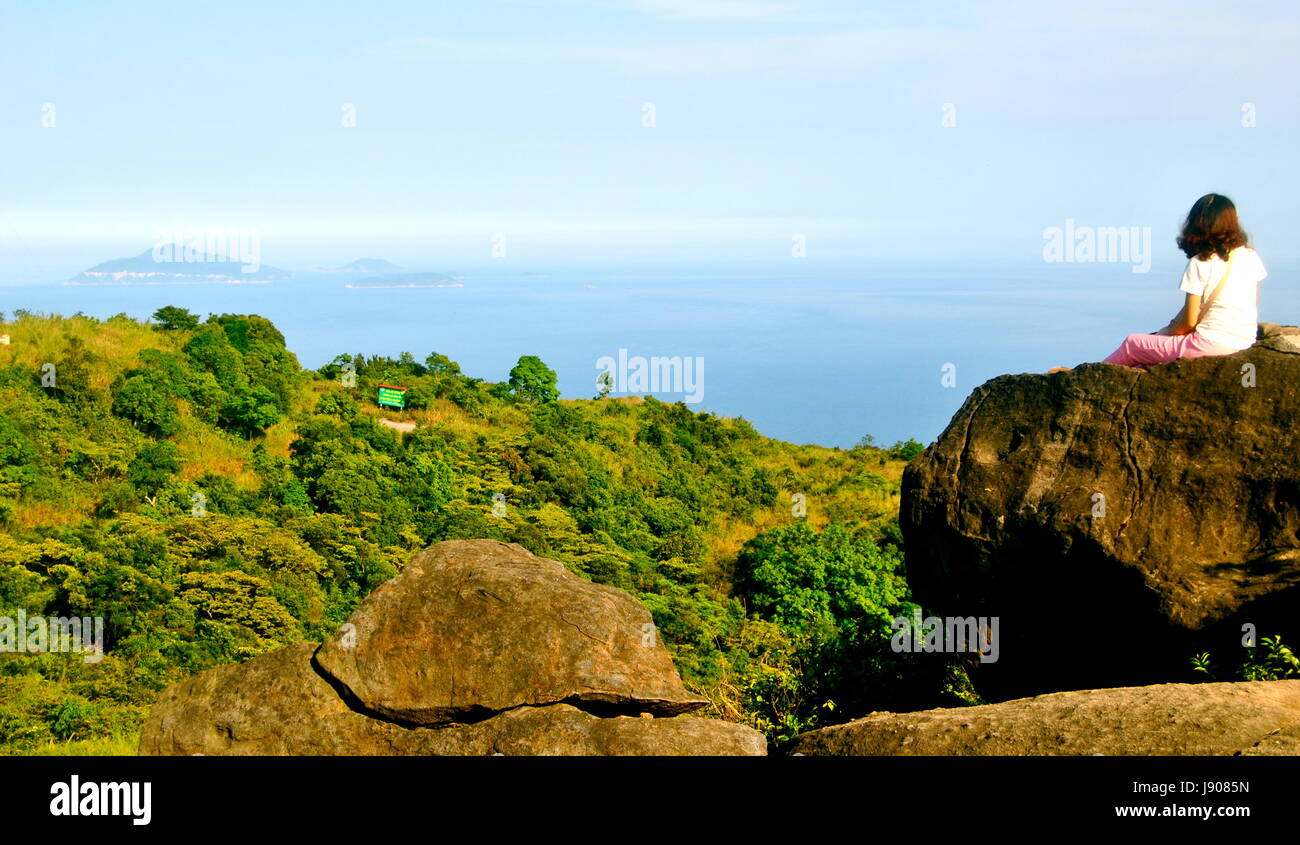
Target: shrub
(144, 401)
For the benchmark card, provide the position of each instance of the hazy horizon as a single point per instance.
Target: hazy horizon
(595, 131)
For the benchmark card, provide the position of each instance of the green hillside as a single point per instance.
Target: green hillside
(189, 482)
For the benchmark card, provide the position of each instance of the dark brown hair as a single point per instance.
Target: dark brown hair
(1211, 228)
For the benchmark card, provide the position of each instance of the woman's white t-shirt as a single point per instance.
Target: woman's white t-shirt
(1234, 314)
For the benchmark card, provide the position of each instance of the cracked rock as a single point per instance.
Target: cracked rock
(477, 648)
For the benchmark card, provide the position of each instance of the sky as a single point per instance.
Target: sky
(940, 132)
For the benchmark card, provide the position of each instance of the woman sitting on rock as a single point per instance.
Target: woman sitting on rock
(1221, 281)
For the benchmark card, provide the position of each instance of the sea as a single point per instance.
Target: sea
(822, 353)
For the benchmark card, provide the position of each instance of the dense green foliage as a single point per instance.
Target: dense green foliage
(191, 484)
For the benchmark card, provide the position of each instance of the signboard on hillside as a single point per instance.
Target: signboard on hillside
(392, 396)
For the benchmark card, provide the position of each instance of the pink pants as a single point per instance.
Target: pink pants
(1141, 349)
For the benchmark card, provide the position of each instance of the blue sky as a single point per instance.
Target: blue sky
(771, 118)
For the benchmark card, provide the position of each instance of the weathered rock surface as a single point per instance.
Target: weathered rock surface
(275, 703)
(285, 702)
(278, 704)
(1115, 520)
(474, 625)
(1279, 338)
(564, 730)
(1256, 718)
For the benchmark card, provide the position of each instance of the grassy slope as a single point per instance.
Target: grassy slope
(849, 486)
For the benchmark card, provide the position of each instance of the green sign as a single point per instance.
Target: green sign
(393, 397)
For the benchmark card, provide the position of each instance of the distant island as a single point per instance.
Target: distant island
(409, 280)
(191, 269)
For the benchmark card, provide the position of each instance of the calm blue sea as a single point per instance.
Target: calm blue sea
(810, 353)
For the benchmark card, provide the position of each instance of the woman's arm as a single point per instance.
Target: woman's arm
(1184, 322)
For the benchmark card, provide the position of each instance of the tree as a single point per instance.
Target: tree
(153, 467)
(794, 575)
(145, 402)
(337, 404)
(604, 384)
(833, 594)
(171, 317)
(251, 411)
(906, 451)
(440, 364)
(210, 349)
(532, 380)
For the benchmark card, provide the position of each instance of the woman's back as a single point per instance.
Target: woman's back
(1233, 316)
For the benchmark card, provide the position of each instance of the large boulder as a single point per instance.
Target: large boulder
(608, 689)
(1255, 718)
(279, 704)
(476, 625)
(1115, 520)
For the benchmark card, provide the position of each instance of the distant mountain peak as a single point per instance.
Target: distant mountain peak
(176, 264)
(370, 265)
